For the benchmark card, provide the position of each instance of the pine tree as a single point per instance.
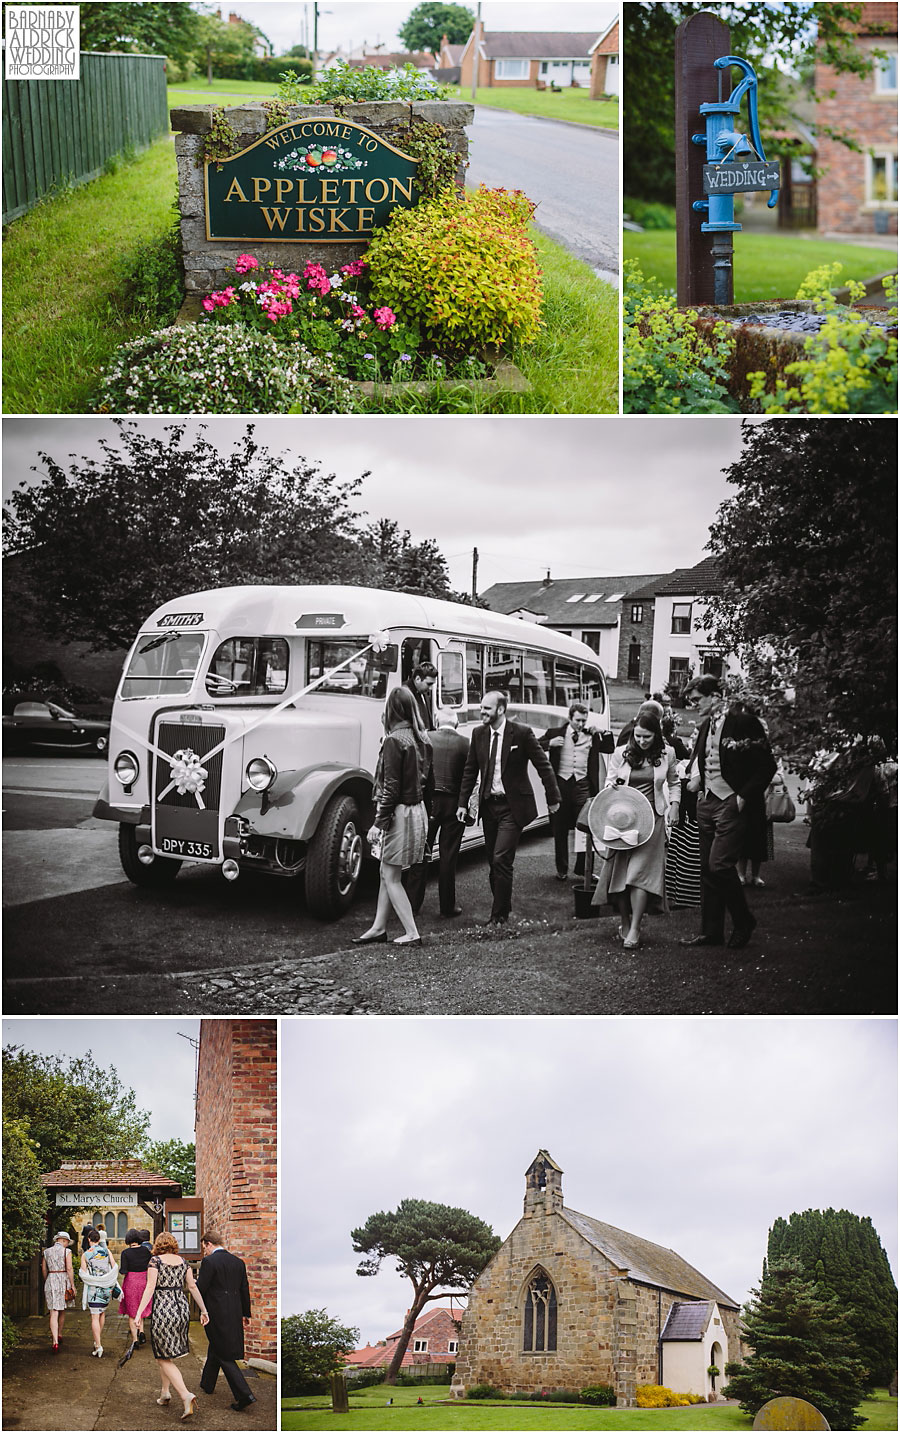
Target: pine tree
(802, 1348)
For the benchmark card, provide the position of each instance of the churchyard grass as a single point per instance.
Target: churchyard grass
(65, 270)
(572, 104)
(765, 266)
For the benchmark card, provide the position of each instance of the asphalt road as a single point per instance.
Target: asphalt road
(570, 171)
(79, 938)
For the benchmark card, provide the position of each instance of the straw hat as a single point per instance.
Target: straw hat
(62, 1234)
(620, 818)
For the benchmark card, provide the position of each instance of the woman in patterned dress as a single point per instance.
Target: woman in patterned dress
(169, 1281)
(401, 822)
(98, 1273)
(59, 1278)
(637, 877)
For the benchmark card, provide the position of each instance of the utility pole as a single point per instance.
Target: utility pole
(315, 53)
(476, 41)
(474, 574)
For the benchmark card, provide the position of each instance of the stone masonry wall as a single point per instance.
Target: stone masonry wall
(856, 108)
(236, 1157)
(641, 632)
(208, 264)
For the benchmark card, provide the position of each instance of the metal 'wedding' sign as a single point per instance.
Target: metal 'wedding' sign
(312, 181)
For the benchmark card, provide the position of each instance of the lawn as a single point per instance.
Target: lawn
(572, 104)
(368, 1410)
(65, 269)
(765, 266)
(220, 92)
(81, 246)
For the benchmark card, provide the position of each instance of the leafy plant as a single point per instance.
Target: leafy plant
(428, 144)
(650, 215)
(343, 84)
(12, 1335)
(155, 279)
(277, 112)
(668, 366)
(654, 1395)
(483, 1390)
(463, 267)
(220, 141)
(599, 1395)
(204, 369)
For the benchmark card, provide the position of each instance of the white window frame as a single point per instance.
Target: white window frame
(887, 155)
(420, 1345)
(453, 1346)
(517, 70)
(880, 87)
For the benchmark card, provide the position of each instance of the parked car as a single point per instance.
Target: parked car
(33, 724)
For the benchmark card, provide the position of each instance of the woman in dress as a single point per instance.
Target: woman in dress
(169, 1281)
(401, 822)
(59, 1279)
(98, 1272)
(648, 765)
(133, 1265)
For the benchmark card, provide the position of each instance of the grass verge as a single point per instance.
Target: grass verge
(74, 253)
(765, 266)
(197, 91)
(368, 1411)
(575, 105)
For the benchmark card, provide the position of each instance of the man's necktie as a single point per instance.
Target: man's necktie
(492, 762)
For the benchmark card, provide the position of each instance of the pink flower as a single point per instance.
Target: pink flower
(244, 263)
(219, 300)
(354, 269)
(356, 311)
(317, 279)
(276, 308)
(208, 305)
(384, 317)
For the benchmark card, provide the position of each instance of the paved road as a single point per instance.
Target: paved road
(79, 937)
(570, 171)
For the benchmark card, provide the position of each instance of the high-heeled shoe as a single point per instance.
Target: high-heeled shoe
(380, 938)
(164, 1401)
(56, 1348)
(189, 1412)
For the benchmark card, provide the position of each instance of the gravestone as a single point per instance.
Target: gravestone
(339, 1400)
(791, 1413)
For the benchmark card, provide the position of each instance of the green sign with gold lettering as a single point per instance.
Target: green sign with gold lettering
(313, 181)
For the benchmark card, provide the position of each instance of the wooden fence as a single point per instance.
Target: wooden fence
(64, 131)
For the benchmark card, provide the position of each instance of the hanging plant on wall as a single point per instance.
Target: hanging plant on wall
(428, 144)
(220, 141)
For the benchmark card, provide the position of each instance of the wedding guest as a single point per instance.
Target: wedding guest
(133, 1266)
(169, 1281)
(638, 876)
(59, 1282)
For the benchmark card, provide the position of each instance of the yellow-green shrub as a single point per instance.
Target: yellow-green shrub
(653, 1395)
(462, 266)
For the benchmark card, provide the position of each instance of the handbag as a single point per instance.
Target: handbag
(70, 1295)
(779, 806)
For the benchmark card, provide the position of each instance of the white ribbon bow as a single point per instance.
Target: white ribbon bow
(188, 775)
(630, 837)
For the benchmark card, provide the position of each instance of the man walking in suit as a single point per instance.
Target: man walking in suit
(499, 753)
(575, 757)
(421, 682)
(222, 1281)
(732, 764)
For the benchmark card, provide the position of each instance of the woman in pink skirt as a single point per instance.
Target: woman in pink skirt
(133, 1265)
(401, 823)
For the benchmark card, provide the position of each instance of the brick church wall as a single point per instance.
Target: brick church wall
(236, 1157)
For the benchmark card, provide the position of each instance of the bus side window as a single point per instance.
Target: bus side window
(450, 679)
(567, 687)
(474, 676)
(504, 673)
(538, 680)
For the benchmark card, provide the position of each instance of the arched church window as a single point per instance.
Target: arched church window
(121, 1225)
(110, 1222)
(540, 1314)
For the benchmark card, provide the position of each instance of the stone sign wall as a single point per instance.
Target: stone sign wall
(311, 208)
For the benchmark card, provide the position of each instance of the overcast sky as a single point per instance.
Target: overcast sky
(582, 496)
(693, 1133)
(349, 23)
(149, 1056)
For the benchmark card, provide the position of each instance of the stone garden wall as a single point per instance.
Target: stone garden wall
(209, 264)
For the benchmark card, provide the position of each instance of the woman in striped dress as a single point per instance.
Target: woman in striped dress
(401, 822)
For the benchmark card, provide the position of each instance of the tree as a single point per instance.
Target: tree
(424, 27)
(227, 42)
(70, 1109)
(24, 1196)
(146, 27)
(400, 565)
(173, 1158)
(311, 1349)
(843, 1254)
(111, 538)
(436, 1248)
(809, 590)
(759, 30)
(802, 1348)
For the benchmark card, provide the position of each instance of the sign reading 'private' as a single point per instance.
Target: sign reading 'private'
(313, 181)
(741, 177)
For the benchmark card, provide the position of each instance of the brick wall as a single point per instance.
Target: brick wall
(858, 109)
(236, 1157)
(640, 632)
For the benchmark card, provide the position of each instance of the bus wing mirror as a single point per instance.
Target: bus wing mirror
(386, 659)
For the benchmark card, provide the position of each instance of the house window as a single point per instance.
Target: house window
(592, 640)
(420, 1345)
(539, 1334)
(637, 612)
(886, 74)
(881, 178)
(681, 617)
(453, 1345)
(679, 672)
(511, 69)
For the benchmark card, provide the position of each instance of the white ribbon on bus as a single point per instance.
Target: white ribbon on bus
(189, 775)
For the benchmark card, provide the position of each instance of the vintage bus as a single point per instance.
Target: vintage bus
(247, 722)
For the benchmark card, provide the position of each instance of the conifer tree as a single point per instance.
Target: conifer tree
(802, 1347)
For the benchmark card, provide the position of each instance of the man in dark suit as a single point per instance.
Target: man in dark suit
(222, 1282)
(499, 753)
(732, 764)
(575, 757)
(421, 682)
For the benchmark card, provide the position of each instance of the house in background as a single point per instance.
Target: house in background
(857, 192)
(435, 1340)
(521, 58)
(449, 62)
(605, 71)
(682, 646)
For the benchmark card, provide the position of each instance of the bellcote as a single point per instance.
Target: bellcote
(543, 1186)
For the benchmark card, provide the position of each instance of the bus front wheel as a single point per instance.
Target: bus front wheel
(161, 871)
(334, 860)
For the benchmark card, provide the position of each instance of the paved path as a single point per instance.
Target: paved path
(71, 1391)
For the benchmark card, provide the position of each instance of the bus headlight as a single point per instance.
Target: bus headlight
(261, 772)
(127, 768)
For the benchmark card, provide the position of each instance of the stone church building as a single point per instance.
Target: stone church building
(568, 1302)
